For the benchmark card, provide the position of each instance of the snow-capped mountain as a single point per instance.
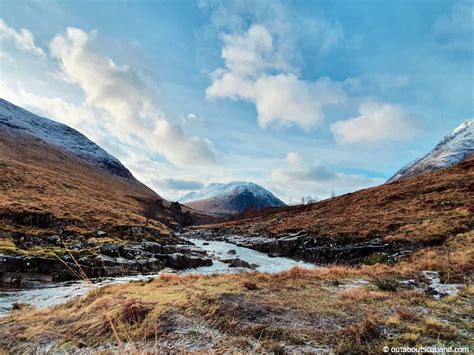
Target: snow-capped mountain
(21, 121)
(233, 197)
(454, 148)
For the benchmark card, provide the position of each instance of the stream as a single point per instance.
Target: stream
(52, 294)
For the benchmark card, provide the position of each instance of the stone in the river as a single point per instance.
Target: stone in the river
(205, 243)
(182, 261)
(232, 252)
(237, 262)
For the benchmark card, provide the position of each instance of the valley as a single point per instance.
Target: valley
(93, 260)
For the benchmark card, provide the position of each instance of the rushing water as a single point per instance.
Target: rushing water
(62, 292)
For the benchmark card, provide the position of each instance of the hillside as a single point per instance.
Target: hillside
(60, 191)
(231, 198)
(389, 219)
(455, 147)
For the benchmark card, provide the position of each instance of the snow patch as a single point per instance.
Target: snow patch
(455, 147)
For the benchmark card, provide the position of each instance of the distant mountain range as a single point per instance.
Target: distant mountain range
(231, 198)
(455, 147)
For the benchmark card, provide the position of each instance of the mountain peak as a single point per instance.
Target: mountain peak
(233, 197)
(453, 148)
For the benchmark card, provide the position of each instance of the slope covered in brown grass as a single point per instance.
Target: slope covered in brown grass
(45, 190)
(426, 208)
(39, 178)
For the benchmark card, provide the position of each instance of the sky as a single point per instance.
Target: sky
(306, 98)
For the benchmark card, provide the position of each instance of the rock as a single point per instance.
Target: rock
(168, 249)
(205, 243)
(232, 252)
(131, 251)
(54, 239)
(101, 233)
(181, 261)
(110, 249)
(152, 247)
(237, 263)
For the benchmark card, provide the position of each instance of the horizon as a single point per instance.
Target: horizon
(281, 94)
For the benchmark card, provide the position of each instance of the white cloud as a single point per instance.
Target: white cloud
(22, 39)
(257, 71)
(191, 118)
(286, 100)
(251, 53)
(300, 176)
(376, 122)
(125, 96)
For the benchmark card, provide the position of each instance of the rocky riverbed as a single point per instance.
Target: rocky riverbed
(310, 248)
(196, 256)
(104, 260)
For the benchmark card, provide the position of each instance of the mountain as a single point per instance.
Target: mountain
(231, 198)
(54, 180)
(59, 135)
(454, 148)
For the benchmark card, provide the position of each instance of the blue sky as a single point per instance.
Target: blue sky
(303, 97)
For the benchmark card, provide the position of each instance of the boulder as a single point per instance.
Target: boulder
(152, 247)
(182, 261)
(237, 262)
(111, 249)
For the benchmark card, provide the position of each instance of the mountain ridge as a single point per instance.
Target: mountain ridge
(61, 136)
(453, 148)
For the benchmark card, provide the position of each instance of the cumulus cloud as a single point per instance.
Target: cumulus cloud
(257, 70)
(249, 54)
(125, 96)
(22, 39)
(299, 169)
(51, 107)
(301, 176)
(286, 100)
(376, 122)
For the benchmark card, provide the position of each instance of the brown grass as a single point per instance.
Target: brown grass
(423, 209)
(299, 306)
(41, 179)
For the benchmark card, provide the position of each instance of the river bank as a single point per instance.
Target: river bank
(215, 257)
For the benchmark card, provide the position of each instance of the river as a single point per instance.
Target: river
(57, 293)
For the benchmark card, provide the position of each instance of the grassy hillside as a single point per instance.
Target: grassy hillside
(46, 191)
(422, 209)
